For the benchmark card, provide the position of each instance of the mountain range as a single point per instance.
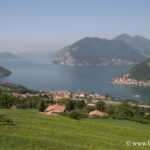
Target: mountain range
(139, 43)
(122, 50)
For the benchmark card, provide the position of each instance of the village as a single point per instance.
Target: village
(90, 100)
(56, 98)
(55, 95)
(127, 81)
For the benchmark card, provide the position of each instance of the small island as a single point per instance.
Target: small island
(138, 75)
(127, 81)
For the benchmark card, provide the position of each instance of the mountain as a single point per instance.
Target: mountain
(139, 43)
(8, 55)
(96, 51)
(4, 72)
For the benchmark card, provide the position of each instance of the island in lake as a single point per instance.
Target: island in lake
(138, 75)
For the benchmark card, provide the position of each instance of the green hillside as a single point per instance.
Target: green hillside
(141, 71)
(35, 131)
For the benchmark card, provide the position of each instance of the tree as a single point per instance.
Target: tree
(101, 105)
(111, 110)
(70, 105)
(63, 101)
(6, 101)
(42, 106)
(80, 104)
(75, 114)
(1, 91)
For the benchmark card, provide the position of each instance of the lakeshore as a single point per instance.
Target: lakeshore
(90, 79)
(128, 81)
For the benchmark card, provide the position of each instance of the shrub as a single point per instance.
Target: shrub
(125, 110)
(70, 105)
(6, 101)
(76, 114)
(80, 104)
(111, 110)
(42, 106)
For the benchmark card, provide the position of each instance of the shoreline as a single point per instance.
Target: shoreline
(133, 82)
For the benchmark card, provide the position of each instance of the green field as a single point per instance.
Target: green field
(33, 131)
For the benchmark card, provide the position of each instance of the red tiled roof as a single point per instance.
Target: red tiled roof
(55, 108)
(96, 113)
(13, 107)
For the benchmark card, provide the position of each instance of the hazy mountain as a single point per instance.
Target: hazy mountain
(139, 43)
(37, 56)
(96, 51)
(4, 72)
(8, 55)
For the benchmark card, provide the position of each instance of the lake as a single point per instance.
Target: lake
(46, 76)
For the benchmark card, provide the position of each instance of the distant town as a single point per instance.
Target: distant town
(89, 98)
(56, 95)
(127, 81)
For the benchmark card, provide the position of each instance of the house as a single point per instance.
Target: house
(13, 107)
(58, 95)
(54, 109)
(79, 95)
(96, 113)
(18, 95)
(90, 105)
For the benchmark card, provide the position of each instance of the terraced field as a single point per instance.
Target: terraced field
(34, 131)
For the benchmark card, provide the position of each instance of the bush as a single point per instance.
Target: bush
(80, 104)
(128, 112)
(42, 106)
(76, 114)
(111, 110)
(70, 105)
(124, 110)
(6, 101)
(29, 102)
(63, 101)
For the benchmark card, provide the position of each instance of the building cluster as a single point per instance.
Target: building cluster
(78, 95)
(128, 81)
(58, 109)
(89, 98)
(54, 95)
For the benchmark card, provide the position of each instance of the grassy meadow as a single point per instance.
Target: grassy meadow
(34, 131)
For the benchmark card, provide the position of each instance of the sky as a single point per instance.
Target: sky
(39, 25)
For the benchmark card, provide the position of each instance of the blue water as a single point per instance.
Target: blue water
(45, 76)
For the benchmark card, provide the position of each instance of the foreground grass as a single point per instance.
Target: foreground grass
(33, 131)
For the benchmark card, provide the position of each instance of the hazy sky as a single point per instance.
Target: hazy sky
(27, 25)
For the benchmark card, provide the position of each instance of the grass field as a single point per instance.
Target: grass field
(33, 131)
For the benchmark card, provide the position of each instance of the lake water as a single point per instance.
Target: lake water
(46, 76)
